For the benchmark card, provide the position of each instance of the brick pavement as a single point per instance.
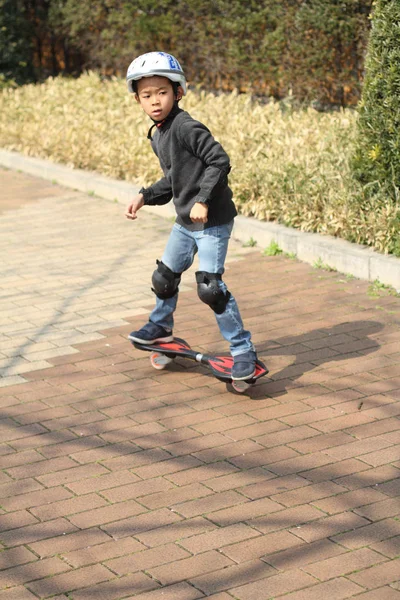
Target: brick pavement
(121, 482)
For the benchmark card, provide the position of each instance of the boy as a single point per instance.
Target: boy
(195, 168)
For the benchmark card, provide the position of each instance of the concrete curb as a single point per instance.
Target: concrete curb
(352, 259)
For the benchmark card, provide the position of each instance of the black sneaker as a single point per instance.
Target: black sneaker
(244, 366)
(150, 334)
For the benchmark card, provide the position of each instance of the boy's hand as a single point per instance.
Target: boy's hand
(199, 213)
(135, 204)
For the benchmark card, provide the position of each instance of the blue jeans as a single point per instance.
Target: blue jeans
(212, 246)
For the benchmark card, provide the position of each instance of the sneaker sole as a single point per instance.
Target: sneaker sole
(250, 376)
(166, 339)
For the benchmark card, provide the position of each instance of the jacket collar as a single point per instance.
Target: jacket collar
(159, 124)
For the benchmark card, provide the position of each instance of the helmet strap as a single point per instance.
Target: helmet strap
(157, 124)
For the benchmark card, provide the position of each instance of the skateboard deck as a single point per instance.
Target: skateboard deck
(220, 365)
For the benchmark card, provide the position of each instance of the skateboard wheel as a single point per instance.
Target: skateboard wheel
(240, 386)
(159, 361)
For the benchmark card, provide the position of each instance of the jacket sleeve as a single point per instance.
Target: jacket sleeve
(199, 141)
(158, 193)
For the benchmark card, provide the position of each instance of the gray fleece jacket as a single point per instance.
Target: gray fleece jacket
(195, 168)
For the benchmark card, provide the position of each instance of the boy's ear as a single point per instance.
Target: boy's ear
(137, 98)
(179, 93)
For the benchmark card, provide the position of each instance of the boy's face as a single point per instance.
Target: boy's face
(156, 96)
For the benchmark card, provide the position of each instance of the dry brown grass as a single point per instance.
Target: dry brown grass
(289, 166)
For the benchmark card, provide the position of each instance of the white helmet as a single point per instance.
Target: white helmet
(155, 63)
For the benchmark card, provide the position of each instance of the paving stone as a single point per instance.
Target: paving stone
(336, 588)
(273, 586)
(113, 589)
(344, 564)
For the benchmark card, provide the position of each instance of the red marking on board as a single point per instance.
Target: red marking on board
(171, 346)
(222, 364)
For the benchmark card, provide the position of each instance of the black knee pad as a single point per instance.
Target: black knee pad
(165, 282)
(210, 293)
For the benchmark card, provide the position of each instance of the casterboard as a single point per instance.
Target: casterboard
(162, 353)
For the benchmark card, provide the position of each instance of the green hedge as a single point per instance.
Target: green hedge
(377, 160)
(16, 43)
(310, 49)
